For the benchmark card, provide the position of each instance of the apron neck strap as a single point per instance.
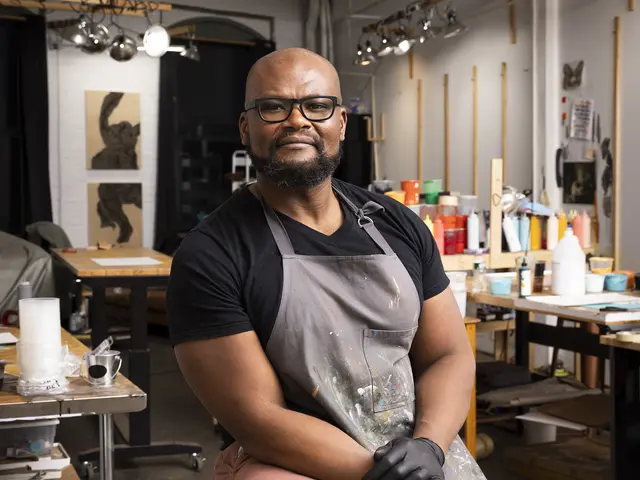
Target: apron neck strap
(283, 241)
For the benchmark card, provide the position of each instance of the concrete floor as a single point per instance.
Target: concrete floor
(178, 416)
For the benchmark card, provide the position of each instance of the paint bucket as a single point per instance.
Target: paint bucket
(535, 433)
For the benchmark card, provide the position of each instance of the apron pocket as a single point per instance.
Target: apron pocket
(387, 356)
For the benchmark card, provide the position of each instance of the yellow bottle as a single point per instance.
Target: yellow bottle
(562, 224)
(536, 233)
(429, 224)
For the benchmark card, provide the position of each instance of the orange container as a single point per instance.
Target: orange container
(631, 280)
(412, 190)
(397, 195)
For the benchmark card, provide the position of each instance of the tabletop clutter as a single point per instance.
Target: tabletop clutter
(45, 368)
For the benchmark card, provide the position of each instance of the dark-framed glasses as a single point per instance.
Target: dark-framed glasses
(276, 110)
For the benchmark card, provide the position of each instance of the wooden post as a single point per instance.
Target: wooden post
(617, 144)
(471, 423)
(495, 222)
(632, 5)
(512, 21)
(504, 121)
(475, 130)
(411, 58)
(420, 152)
(446, 132)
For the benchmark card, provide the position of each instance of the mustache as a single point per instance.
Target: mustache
(296, 137)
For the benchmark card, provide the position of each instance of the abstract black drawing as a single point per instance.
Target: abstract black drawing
(606, 181)
(112, 197)
(119, 138)
(579, 183)
(572, 75)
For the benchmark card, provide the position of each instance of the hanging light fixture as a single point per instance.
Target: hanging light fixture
(403, 42)
(156, 41)
(453, 27)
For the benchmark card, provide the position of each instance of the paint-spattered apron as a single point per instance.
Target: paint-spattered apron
(341, 340)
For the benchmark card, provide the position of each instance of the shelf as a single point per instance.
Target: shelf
(454, 263)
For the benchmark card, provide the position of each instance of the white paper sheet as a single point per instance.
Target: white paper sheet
(580, 300)
(126, 261)
(7, 338)
(538, 417)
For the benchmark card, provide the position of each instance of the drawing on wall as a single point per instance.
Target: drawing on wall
(573, 73)
(607, 178)
(579, 183)
(115, 213)
(112, 130)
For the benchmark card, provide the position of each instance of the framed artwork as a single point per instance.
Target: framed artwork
(579, 183)
(112, 130)
(115, 213)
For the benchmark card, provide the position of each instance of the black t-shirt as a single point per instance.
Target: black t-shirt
(226, 277)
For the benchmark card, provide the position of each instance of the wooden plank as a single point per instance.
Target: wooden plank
(81, 264)
(453, 263)
(69, 473)
(512, 22)
(128, 4)
(420, 149)
(470, 424)
(411, 62)
(631, 5)
(495, 220)
(67, 7)
(446, 132)
(475, 129)
(504, 121)
(496, 326)
(617, 143)
(612, 341)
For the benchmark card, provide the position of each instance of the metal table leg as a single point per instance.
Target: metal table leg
(106, 446)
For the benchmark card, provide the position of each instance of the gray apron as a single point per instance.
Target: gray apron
(340, 343)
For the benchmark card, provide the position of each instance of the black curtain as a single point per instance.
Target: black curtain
(200, 103)
(25, 195)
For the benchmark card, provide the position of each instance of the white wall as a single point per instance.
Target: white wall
(486, 45)
(587, 34)
(72, 72)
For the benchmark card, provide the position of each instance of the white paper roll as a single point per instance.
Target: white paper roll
(40, 321)
(40, 346)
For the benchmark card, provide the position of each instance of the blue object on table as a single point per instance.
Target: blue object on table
(616, 282)
(500, 286)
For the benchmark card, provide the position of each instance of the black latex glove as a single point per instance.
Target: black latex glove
(408, 459)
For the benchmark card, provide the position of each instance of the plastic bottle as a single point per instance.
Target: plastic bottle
(516, 228)
(473, 231)
(524, 235)
(576, 225)
(552, 232)
(562, 224)
(586, 230)
(511, 234)
(438, 234)
(429, 224)
(536, 233)
(568, 266)
(524, 279)
(478, 282)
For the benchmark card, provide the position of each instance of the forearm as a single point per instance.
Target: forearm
(443, 396)
(305, 445)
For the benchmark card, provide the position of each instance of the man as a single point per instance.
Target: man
(303, 308)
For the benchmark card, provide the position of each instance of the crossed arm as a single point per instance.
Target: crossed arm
(233, 378)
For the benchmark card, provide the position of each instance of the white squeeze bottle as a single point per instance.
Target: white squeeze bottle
(473, 231)
(552, 232)
(568, 266)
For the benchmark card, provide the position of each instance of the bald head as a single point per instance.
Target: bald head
(283, 71)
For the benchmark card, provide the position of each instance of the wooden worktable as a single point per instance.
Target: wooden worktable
(82, 398)
(612, 341)
(80, 262)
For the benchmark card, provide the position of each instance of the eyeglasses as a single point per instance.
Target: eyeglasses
(276, 110)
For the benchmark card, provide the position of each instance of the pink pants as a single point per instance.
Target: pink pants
(234, 464)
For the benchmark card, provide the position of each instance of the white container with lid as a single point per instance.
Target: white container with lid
(458, 285)
(568, 266)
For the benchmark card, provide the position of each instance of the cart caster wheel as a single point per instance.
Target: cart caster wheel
(197, 461)
(88, 470)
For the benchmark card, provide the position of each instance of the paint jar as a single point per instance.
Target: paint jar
(594, 283)
(461, 237)
(432, 189)
(616, 282)
(448, 210)
(601, 265)
(500, 286)
(412, 191)
(450, 240)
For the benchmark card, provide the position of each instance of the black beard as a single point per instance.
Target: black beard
(309, 174)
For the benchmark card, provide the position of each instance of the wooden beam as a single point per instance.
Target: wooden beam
(512, 21)
(420, 150)
(504, 121)
(495, 219)
(411, 59)
(475, 129)
(632, 5)
(64, 7)
(182, 30)
(128, 4)
(446, 132)
(617, 144)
